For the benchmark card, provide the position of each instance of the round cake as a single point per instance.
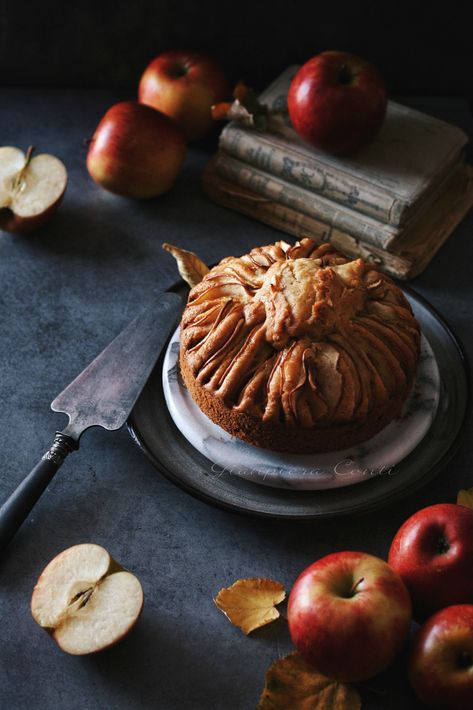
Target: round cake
(298, 348)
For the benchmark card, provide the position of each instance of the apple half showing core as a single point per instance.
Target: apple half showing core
(85, 600)
(31, 189)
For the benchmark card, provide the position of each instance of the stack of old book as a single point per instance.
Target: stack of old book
(394, 202)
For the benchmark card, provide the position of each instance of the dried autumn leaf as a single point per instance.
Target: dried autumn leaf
(191, 268)
(292, 683)
(465, 498)
(249, 603)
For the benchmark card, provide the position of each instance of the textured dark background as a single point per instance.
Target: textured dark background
(422, 48)
(67, 290)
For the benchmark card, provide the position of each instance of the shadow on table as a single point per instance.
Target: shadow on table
(151, 668)
(84, 234)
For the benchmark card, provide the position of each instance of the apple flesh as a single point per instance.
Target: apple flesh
(85, 600)
(441, 659)
(349, 614)
(184, 85)
(337, 102)
(31, 189)
(136, 151)
(433, 553)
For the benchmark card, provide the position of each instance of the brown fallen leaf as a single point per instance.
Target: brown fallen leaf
(465, 497)
(249, 603)
(292, 683)
(191, 268)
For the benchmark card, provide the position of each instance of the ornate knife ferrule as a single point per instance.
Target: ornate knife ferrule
(60, 448)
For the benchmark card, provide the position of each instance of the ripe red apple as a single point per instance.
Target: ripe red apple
(349, 615)
(337, 102)
(85, 600)
(31, 189)
(441, 659)
(433, 553)
(136, 151)
(184, 85)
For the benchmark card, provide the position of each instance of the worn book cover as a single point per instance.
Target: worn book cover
(413, 251)
(383, 236)
(387, 180)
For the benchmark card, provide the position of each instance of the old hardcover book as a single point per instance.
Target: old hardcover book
(413, 251)
(387, 180)
(369, 230)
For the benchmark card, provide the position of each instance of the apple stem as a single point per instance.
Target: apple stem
(344, 75)
(443, 546)
(21, 174)
(354, 588)
(29, 154)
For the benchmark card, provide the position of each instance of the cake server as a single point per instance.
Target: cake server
(102, 395)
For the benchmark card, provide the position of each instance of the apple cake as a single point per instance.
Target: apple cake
(298, 348)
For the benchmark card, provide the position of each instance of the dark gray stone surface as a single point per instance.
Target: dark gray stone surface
(64, 293)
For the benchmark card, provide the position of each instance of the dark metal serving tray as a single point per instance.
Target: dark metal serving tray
(153, 430)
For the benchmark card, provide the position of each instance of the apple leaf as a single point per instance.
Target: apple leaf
(191, 268)
(245, 108)
(465, 498)
(250, 603)
(292, 683)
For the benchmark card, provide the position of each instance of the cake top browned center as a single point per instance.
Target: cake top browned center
(303, 298)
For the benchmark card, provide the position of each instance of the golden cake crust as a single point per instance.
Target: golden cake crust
(297, 348)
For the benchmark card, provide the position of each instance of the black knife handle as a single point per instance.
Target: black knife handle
(14, 511)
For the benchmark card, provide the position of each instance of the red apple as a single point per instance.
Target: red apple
(441, 659)
(136, 151)
(31, 189)
(349, 615)
(184, 85)
(337, 102)
(433, 553)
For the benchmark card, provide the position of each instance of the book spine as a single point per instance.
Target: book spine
(278, 157)
(302, 200)
(298, 224)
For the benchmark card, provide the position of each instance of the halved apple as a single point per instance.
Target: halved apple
(31, 188)
(85, 600)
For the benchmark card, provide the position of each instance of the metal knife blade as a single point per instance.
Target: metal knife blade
(105, 392)
(102, 395)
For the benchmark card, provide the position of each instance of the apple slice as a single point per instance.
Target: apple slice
(31, 188)
(85, 600)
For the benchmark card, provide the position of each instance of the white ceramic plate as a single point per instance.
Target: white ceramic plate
(378, 456)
